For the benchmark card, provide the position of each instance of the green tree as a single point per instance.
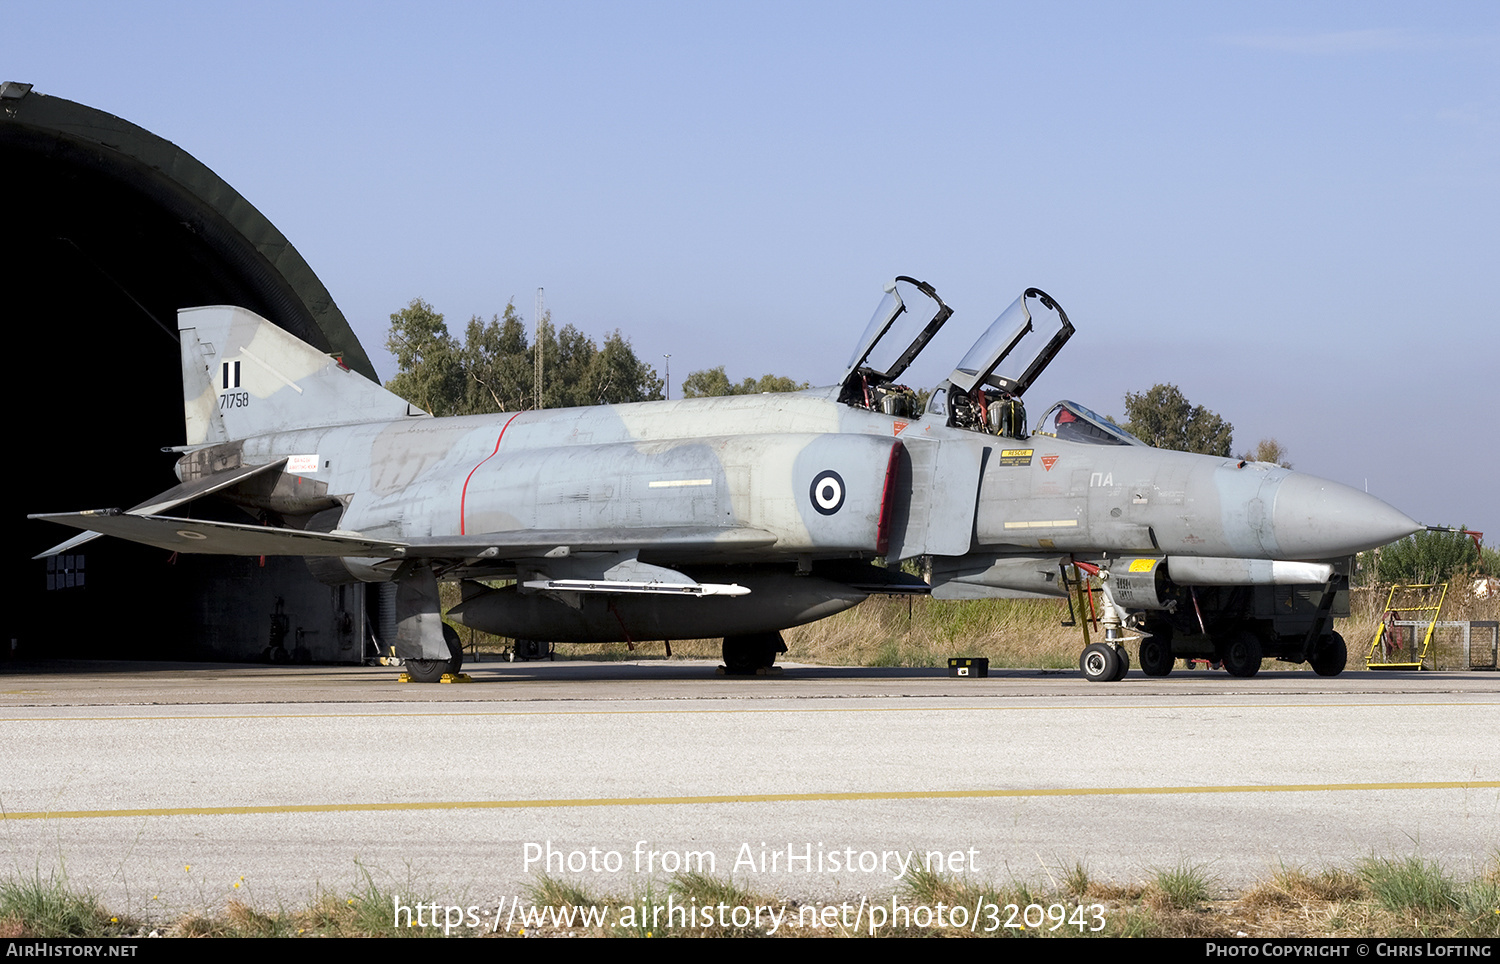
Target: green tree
(497, 364)
(617, 375)
(713, 382)
(1267, 450)
(493, 370)
(1163, 418)
(1427, 557)
(428, 373)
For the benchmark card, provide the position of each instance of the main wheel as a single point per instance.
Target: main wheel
(1100, 663)
(432, 670)
(1241, 655)
(743, 655)
(1124, 655)
(1330, 658)
(1156, 655)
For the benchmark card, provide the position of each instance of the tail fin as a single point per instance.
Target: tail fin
(243, 376)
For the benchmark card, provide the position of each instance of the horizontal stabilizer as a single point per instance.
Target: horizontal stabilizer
(170, 499)
(198, 488)
(221, 538)
(68, 545)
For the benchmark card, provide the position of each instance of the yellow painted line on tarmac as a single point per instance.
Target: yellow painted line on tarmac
(729, 712)
(737, 798)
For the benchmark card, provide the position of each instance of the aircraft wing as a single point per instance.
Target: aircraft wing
(240, 539)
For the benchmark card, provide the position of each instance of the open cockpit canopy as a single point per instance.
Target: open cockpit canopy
(902, 325)
(1015, 349)
(984, 392)
(904, 322)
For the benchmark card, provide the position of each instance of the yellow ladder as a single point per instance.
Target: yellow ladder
(1392, 640)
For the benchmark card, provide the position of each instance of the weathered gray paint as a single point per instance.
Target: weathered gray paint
(643, 496)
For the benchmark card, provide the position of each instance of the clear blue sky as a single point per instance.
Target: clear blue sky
(1289, 210)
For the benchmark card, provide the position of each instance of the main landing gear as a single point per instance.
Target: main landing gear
(433, 670)
(748, 655)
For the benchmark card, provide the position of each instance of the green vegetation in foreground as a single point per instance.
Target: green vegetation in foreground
(1384, 897)
(45, 907)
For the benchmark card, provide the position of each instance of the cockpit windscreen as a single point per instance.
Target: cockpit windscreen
(1072, 422)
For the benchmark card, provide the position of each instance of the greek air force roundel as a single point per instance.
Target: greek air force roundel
(827, 492)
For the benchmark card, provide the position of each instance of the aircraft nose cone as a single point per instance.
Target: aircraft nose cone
(1318, 519)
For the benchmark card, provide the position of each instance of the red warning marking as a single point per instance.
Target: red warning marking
(1048, 461)
(898, 427)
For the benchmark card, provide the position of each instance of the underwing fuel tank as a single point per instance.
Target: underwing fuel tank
(776, 600)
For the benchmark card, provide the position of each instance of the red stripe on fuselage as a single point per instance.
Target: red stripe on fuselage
(463, 496)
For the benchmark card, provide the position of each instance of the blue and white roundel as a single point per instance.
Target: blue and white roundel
(827, 492)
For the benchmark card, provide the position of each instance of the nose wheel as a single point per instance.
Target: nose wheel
(1103, 663)
(1107, 661)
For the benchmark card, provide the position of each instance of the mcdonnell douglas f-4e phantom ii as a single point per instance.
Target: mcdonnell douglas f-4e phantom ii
(743, 516)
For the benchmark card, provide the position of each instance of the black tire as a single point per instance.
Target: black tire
(1241, 655)
(1099, 663)
(1124, 655)
(432, 670)
(426, 670)
(1156, 656)
(743, 655)
(1330, 658)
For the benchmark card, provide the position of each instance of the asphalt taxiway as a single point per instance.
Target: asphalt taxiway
(168, 786)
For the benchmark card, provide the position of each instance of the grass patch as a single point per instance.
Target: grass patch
(1075, 881)
(1294, 887)
(554, 892)
(1183, 887)
(45, 907)
(238, 919)
(1396, 897)
(1409, 885)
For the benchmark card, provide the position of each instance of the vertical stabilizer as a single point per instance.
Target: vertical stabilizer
(242, 376)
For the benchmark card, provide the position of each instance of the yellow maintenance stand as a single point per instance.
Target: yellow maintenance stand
(1394, 646)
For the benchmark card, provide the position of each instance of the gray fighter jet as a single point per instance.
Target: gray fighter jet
(739, 517)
